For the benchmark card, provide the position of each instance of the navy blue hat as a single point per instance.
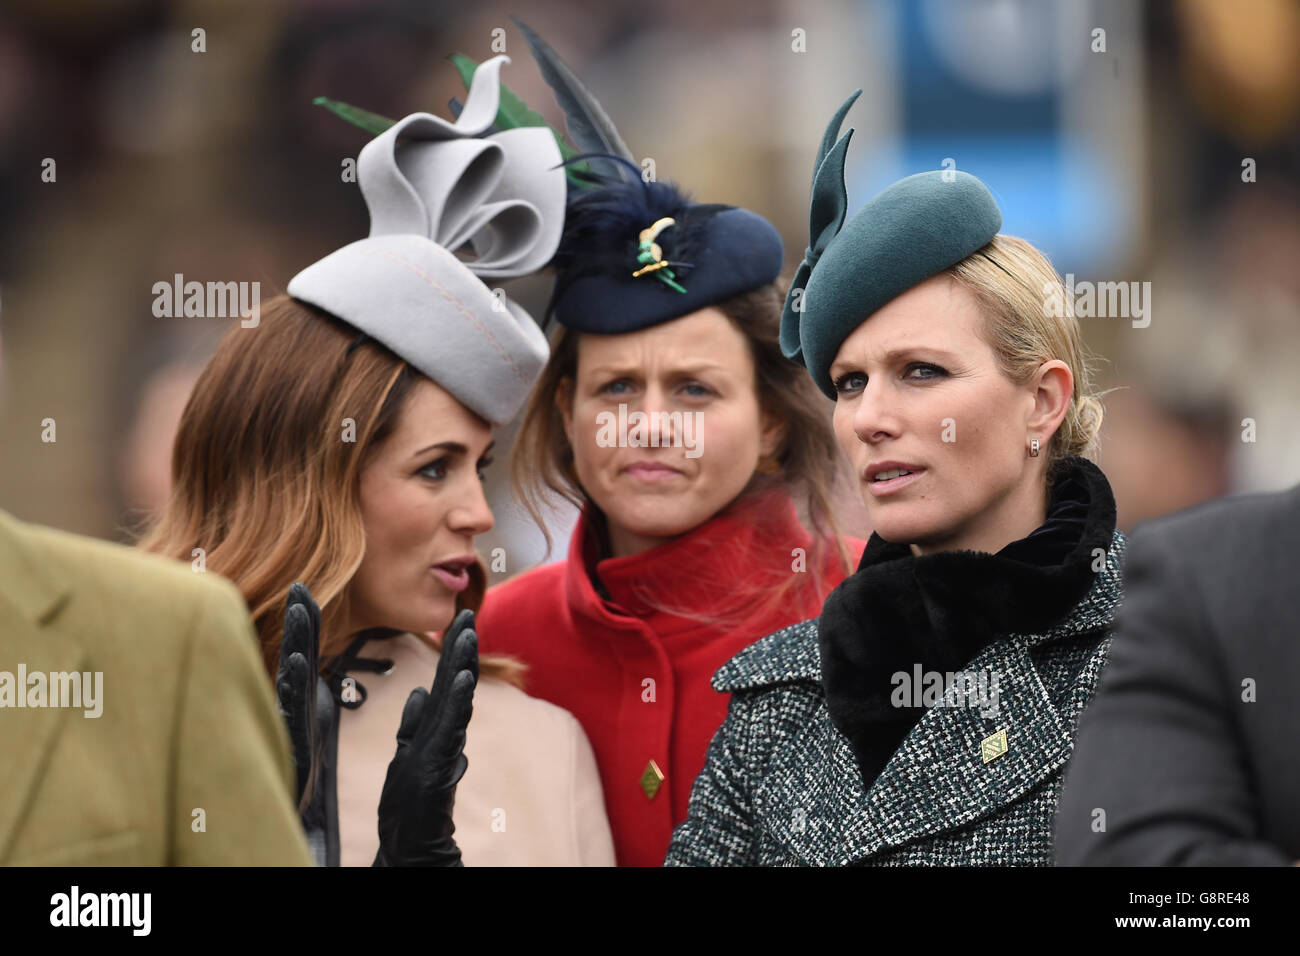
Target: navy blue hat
(914, 229)
(635, 254)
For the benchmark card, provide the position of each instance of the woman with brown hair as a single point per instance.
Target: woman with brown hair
(340, 442)
(669, 417)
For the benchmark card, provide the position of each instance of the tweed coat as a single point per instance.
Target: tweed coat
(782, 787)
(187, 720)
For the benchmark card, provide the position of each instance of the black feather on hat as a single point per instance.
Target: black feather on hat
(633, 253)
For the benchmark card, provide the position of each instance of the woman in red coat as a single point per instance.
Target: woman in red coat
(669, 416)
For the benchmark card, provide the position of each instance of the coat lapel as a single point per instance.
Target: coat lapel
(815, 804)
(32, 592)
(812, 803)
(810, 797)
(938, 779)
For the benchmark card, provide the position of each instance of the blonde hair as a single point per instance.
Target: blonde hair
(1013, 281)
(260, 481)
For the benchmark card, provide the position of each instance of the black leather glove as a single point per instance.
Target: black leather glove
(307, 707)
(415, 827)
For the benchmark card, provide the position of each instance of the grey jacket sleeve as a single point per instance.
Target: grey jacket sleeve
(718, 829)
(1158, 776)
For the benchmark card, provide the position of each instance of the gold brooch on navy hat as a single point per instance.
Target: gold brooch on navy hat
(731, 250)
(651, 256)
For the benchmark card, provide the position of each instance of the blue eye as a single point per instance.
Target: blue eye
(936, 371)
(612, 388)
(850, 382)
(697, 390)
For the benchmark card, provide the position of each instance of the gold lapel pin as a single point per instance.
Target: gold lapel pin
(993, 747)
(652, 779)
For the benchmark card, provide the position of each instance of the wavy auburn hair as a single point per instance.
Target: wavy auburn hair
(266, 477)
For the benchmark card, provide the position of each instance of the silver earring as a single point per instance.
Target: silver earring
(1033, 448)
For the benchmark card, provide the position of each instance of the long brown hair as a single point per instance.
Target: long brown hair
(266, 469)
(808, 458)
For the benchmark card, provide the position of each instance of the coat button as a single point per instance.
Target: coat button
(651, 780)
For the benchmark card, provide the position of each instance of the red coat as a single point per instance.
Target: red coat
(636, 676)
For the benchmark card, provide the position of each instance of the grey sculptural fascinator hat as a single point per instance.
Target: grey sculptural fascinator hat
(914, 229)
(434, 187)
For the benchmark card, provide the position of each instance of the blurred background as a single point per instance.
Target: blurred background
(1132, 142)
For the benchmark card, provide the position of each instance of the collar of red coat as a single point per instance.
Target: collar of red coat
(751, 540)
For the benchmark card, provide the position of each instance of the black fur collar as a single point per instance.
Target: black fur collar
(938, 611)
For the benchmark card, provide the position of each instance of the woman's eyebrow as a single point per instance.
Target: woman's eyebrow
(618, 370)
(685, 368)
(456, 448)
(694, 368)
(895, 354)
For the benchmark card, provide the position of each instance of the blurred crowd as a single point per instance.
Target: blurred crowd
(1181, 131)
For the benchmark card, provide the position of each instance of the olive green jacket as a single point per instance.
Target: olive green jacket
(186, 762)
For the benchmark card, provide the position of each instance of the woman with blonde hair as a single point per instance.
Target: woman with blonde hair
(927, 715)
(340, 442)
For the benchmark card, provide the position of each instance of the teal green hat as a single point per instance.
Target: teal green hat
(914, 229)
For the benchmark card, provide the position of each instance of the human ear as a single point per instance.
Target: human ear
(1053, 386)
(773, 433)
